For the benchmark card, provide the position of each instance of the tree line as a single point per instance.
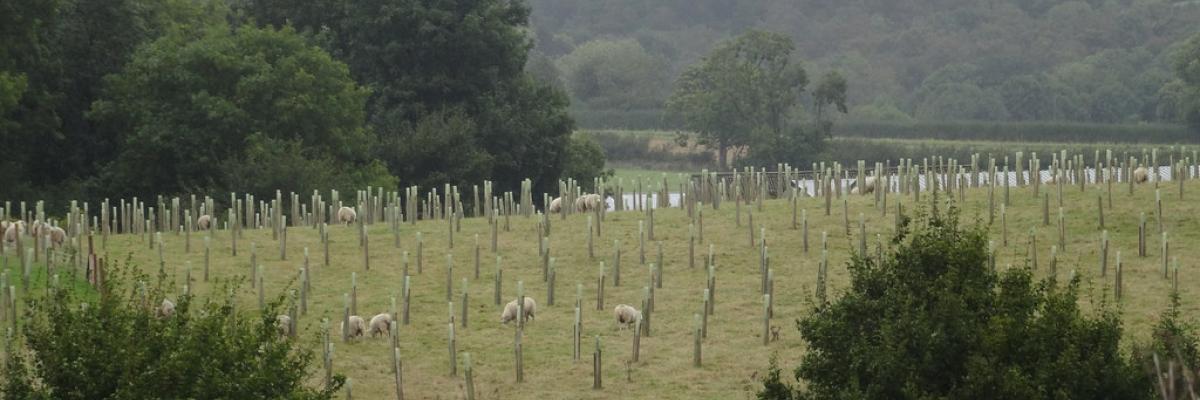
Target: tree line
(929, 60)
(121, 98)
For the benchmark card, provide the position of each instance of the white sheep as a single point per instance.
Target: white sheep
(626, 315)
(203, 221)
(283, 324)
(35, 228)
(166, 310)
(57, 236)
(346, 215)
(381, 324)
(510, 310)
(588, 202)
(868, 185)
(11, 232)
(1141, 175)
(555, 206)
(358, 327)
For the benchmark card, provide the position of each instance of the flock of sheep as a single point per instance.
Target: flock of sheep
(381, 324)
(584, 203)
(12, 231)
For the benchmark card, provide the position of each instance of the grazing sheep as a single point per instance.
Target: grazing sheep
(626, 315)
(510, 310)
(588, 202)
(203, 221)
(381, 324)
(10, 233)
(358, 327)
(555, 206)
(35, 229)
(283, 324)
(1141, 175)
(346, 215)
(14, 231)
(868, 185)
(166, 310)
(57, 236)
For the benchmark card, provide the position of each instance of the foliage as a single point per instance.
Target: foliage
(426, 60)
(830, 91)
(1174, 337)
(744, 93)
(439, 148)
(187, 106)
(931, 320)
(585, 161)
(773, 386)
(615, 74)
(1082, 52)
(115, 347)
(1187, 69)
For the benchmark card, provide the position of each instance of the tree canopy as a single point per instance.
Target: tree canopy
(231, 94)
(1085, 53)
(746, 95)
(190, 110)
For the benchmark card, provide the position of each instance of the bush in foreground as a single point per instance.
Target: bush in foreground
(116, 348)
(933, 321)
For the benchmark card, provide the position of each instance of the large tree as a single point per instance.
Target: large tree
(747, 90)
(191, 109)
(1187, 69)
(427, 63)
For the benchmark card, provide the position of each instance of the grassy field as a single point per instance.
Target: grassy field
(733, 352)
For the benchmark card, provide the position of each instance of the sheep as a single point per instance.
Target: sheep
(11, 232)
(868, 185)
(381, 324)
(14, 231)
(510, 310)
(203, 221)
(35, 229)
(346, 215)
(358, 327)
(588, 202)
(555, 206)
(1141, 175)
(166, 310)
(283, 324)
(626, 315)
(57, 236)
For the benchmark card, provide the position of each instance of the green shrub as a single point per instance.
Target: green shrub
(116, 348)
(933, 321)
(584, 161)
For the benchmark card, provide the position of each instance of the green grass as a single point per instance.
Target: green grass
(41, 276)
(733, 352)
(651, 177)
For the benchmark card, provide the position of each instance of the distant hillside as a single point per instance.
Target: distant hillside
(1019, 60)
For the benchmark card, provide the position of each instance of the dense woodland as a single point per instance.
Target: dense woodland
(143, 97)
(1100, 61)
